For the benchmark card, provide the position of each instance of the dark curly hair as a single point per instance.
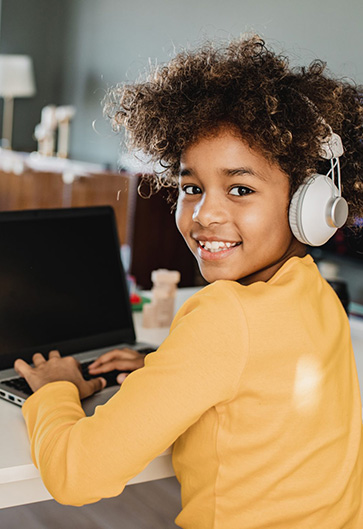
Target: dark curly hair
(276, 109)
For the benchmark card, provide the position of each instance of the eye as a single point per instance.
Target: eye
(191, 190)
(240, 191)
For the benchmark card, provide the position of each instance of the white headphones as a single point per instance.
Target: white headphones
(317, 209)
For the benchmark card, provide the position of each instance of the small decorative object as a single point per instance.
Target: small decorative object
(51, 118)
(160, 312)
(45, 131)
(64, 115)
(135, 296)
(11, 161)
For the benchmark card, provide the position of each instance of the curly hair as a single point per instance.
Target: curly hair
(283, 112)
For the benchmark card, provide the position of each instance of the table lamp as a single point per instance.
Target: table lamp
(16, 80)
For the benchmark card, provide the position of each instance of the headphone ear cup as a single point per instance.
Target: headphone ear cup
(317, 211)
(295, 216)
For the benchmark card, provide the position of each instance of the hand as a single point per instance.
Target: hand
(120, 359)
(56, 369)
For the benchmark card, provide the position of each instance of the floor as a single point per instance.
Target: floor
(152, 505)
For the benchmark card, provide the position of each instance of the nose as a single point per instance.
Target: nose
(209, 210)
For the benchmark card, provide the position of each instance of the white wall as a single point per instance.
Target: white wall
(35, 28)
(110, 41)
(107, 41)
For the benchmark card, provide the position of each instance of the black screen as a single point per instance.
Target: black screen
(61, 282)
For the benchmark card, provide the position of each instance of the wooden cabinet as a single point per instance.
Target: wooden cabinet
(106, 189)
(147, 225)
(30, 190)
(157, 243)
(36, 190)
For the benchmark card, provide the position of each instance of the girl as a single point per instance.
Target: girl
(256, 385)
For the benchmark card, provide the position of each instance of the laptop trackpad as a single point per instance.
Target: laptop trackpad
(98, 399)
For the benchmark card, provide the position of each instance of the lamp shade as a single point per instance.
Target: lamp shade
(16, 76)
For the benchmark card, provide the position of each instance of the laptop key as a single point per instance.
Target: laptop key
(110, 377)
(19, 384)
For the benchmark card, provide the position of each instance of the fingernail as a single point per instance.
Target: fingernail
(120, 378)
(104, 382)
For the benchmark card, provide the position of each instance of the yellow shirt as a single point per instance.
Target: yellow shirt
(256, 386)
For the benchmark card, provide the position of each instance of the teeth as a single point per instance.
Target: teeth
(216, 246)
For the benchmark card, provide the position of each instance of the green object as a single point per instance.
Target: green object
(137, 307)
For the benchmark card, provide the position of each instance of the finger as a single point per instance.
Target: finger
(122, 360)
(121, 377)
(22, 368)
(54, 354)
(73, 363)
(106, 357)
(93, 385)
(105, 368)
(94, 364)
(115, 354)
(128, 351)
(38, 359)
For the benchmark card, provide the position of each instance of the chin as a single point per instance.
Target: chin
(214, 275)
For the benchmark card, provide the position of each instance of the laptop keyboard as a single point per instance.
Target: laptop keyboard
(110, 377)
(21, 384)
(18, 383)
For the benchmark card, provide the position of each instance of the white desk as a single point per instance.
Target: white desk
(20, 482)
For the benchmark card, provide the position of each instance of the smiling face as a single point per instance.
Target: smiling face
(232, 210)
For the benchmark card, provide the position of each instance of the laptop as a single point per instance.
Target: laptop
(62, 286)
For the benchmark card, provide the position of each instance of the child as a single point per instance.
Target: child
(256, 385)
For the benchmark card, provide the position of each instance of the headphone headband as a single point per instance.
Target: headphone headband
(332, 146)
(318, 209)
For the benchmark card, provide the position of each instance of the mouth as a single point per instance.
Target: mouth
(215, 250)
(217, 246)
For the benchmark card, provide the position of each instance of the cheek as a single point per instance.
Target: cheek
(181, 217)
(257, 222)
(270, 221)
(279, 224)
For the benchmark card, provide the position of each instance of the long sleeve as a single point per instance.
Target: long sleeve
(82, 459)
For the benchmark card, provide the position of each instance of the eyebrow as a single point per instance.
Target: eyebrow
(240, 171)
(237, 171)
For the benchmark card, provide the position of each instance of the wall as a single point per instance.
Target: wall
(88, 45)
(35, 28)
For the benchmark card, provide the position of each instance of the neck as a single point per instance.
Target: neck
(265, 274)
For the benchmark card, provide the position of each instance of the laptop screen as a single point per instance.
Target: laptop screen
(62, 285)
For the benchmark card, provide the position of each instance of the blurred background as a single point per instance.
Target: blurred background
(79, 48)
